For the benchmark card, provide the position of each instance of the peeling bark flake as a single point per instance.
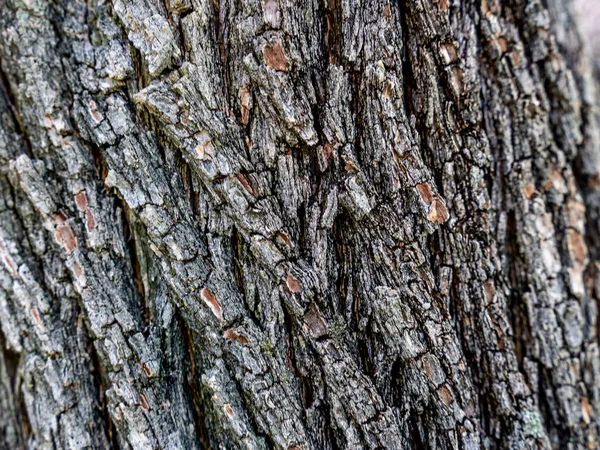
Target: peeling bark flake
(438, 212)
(425, 191)
(90, 221)
(292, 284)
(211, 301)
(245, 104)
(231, 334)
(577, 247)
(81, 201)
(63, 234)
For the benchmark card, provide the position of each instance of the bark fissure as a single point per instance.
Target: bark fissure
(326, 224)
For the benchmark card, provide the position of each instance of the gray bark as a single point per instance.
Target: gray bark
(298, 225)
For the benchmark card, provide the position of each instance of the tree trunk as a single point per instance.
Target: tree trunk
(313, 224)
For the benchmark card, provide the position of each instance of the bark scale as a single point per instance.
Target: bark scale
(298, 225)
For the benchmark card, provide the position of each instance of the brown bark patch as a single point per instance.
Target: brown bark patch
(211, 301)
(577, 247)
(457, 80)
(449, 52)
(275, 58)
(586, 410)
(489, 290)
(77, 270)
(81, 201)
(245, 104)
(228, 410)
(387, 11)
(438, 212)
(144, 403)
(63, 234)
(90, 221)
(314, 322)
(446, 395)
(242, 179)
(146, 370)
(388, 90)
(282, 236)
(503, 44)
(425, 191)
(516, 58)
(292, 284)
(327, 150)
(529, 190)
(232, 335)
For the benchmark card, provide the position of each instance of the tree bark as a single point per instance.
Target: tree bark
(286, 224)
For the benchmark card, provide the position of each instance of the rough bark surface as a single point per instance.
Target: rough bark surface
(284, 224)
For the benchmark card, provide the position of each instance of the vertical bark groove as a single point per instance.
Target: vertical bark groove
(298, 225)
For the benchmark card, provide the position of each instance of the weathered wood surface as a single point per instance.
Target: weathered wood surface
(298, 225)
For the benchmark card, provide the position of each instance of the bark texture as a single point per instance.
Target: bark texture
(285, 224)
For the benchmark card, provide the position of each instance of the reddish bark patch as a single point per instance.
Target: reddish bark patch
(63, 233)
(147, 370)
(327, 150)
(211, 301)
(90, 222)
(292, 284)
(10, 265)
(275, 58)
(425, 191)
(77, 270)
(36, 316)
(427, 368)
(232, 335)
(242, 179)
(503, 44)
(81, 201)
(516, 58)
(245, 104)
(446, 395)
(586, 410)
(484, 7)
(228, 410)
(143, 402)
(282, 235)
